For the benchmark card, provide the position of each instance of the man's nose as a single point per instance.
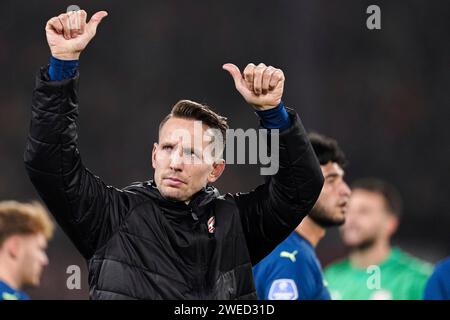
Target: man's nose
(176, 159)
(45, 260)
(345, 189)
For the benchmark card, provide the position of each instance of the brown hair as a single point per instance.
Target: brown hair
(24, 219)
(187, 109)
(392, 198)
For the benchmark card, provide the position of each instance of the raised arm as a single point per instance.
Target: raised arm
(87, 210)
(273, 210)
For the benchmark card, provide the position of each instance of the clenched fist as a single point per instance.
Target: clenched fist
(68, 34)
(261, 86)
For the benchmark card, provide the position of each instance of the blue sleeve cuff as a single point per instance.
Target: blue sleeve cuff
(62, 69)
(276, 118)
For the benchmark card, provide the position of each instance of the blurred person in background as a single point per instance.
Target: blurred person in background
(25, 229)
(438, 286)
(292, 271)
(174, 237)
(374, 269)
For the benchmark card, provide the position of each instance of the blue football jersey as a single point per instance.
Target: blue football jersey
(8, 293)
(438, 285)
(291, 272)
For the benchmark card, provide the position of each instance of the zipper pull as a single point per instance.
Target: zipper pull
(194, 216)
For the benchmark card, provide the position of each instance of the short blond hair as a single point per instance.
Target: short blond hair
(187, 109)
(18, 218)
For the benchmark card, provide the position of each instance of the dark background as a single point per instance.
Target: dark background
(383, 94)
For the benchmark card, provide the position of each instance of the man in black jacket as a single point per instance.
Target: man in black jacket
(174, 237)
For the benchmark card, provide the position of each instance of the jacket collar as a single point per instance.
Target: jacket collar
(196, 207)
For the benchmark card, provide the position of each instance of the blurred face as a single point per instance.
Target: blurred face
(180, 159)
(331, 206)
(368, 220)
(32, 258)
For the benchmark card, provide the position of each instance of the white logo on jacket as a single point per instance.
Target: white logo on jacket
(211, 224)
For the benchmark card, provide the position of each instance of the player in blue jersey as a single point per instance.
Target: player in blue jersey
(438, 285)
(24, 232)
(292, 271)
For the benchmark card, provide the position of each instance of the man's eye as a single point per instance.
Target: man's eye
(191, 154)
(167, 147)
(331, 180)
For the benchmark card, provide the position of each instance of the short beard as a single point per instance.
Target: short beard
(168, 197)
(364, 245)
(320, 216)
(173, 199)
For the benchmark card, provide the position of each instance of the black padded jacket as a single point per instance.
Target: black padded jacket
(139, 245)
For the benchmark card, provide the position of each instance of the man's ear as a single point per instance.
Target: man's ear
(155, 146)
(393, 223)
(217, 171)
(12, 245)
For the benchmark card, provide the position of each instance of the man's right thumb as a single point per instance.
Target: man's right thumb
(95, 20)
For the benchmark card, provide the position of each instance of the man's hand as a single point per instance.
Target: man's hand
(261, 86)
(68, 34)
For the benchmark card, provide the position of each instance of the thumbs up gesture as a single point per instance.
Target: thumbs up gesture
(68, 34)
(261, 86)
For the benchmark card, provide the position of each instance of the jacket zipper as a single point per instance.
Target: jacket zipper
(198, 278)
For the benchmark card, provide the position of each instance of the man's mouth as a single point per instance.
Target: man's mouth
(343, 207)
(173, 182)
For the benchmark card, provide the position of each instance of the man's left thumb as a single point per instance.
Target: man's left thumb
(234, 72)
